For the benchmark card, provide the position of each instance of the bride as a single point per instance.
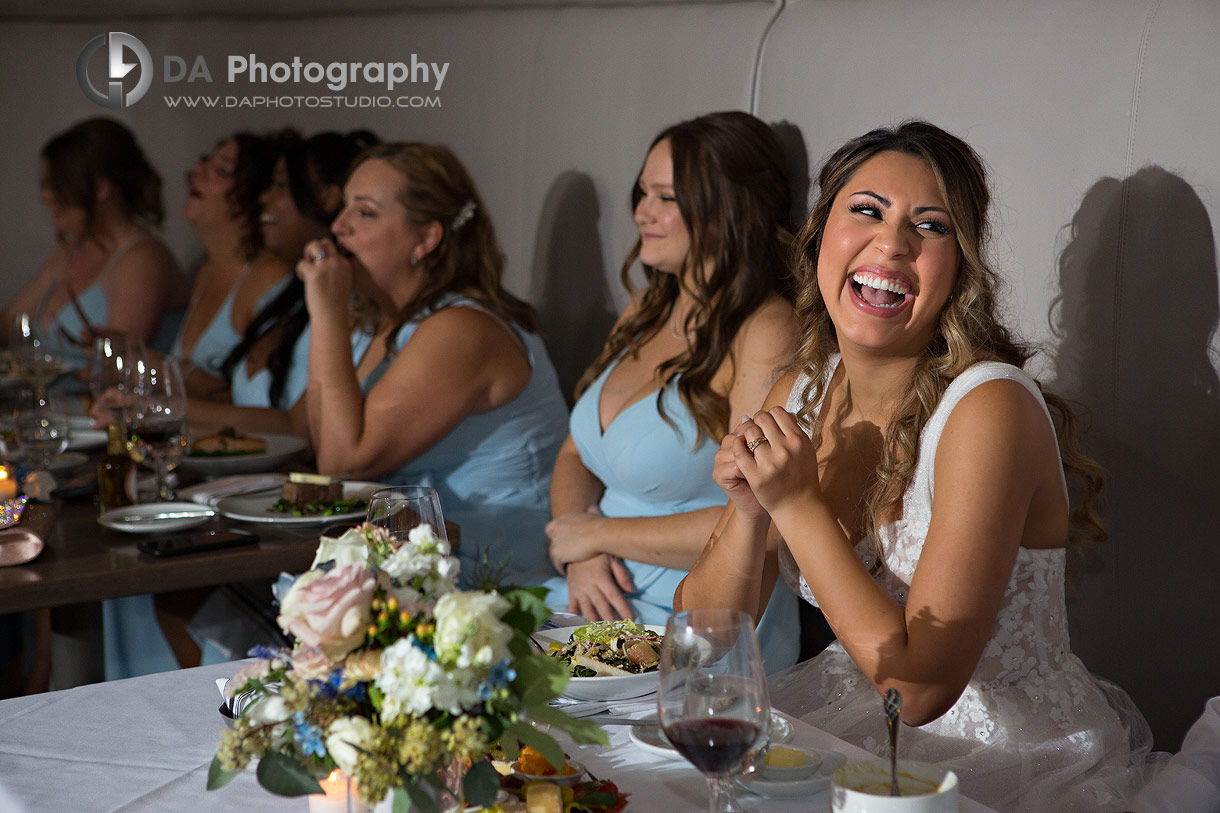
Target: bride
(908, 478)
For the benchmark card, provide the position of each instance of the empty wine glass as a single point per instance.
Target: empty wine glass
(154, 415)
(712, 695)
(110, 370)
(37, 352)
(41, 428)
(403, 508)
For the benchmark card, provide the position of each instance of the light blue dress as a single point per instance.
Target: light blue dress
(220, 337)
(493, 470)
(649, 469)
(93, 302)
(255, 390)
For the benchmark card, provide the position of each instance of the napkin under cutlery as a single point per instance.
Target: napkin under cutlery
(213, 491)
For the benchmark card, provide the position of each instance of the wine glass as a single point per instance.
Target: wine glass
(41, 428)
(712, 695)
(402, 508)
(154, 415)
(110, 369)
(37, 352)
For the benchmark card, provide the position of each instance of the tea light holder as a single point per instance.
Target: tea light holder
(8, 482)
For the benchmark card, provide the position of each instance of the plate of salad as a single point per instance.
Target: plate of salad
(609, 660)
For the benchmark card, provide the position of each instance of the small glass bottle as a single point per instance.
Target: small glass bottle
(116, 473)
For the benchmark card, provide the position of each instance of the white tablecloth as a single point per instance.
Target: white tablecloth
(145, 744)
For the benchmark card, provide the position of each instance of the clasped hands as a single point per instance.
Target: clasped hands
(597, 581)
(767, 462)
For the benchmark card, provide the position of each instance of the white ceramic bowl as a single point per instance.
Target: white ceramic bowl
(864, 787)
(280, 449)
(790, 773)
(616, 687)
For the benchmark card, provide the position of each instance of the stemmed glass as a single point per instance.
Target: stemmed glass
(712, 695)
(38, 353)
(111, 369)
(41, 428)
(154, 415)
(402, 508)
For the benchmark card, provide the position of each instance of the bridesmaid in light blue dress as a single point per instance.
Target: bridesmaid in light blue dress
(455, 389)
(632, 492)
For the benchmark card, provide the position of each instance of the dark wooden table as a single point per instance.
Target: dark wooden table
(84, 563)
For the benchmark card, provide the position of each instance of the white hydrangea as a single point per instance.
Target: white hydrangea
(469, 631)
(349, 549)
(424, 561)
(344, 736)
(412, 683)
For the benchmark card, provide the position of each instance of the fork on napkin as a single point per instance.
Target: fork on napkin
(213, 491)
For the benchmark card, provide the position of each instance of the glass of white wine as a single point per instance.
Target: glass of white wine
(37, 352)
(154, 416)
(41, 428)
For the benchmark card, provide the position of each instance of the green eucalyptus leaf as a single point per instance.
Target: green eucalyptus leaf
(481, 784)
(544, 744)
(540, 679)
(529, 610)
(421, 799)
(218, 777)
(582, 731)
(283, 775)
(402, 803)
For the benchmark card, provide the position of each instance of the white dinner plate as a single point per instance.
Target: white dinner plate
(280, 449)
(257, 507)
(84, 440)
(652, 739)
(613, 687)
(755, 782)
(130, 518)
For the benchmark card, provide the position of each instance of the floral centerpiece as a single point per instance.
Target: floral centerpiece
(397, 678)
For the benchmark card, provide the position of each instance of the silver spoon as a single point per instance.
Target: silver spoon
(893, 711)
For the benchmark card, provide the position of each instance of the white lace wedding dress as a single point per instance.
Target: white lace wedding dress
(1033, 730)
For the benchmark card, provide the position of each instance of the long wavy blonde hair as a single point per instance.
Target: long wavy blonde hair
(969, 329)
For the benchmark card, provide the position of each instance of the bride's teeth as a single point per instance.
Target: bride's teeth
(880, 283)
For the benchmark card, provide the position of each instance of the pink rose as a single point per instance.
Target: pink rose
(311, 663)
(329, 610)
(257, 670)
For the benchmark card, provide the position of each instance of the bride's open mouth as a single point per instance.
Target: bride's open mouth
(878, 291)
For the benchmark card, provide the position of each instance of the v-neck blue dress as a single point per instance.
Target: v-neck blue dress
(651, 468)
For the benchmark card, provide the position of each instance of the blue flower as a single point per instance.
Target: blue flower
(281, 587)
(502, 673)
(308, 736)
(267, 653)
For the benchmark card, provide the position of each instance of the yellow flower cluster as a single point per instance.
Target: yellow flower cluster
(466, 739)
(240, 744)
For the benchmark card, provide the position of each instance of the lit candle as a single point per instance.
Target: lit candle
(338, 797)
(8, 482)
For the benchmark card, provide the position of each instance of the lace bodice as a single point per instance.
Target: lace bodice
(1032, 725)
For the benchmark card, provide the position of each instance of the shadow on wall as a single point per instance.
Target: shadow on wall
(1135, 315)
(796, 159)
(570, 289)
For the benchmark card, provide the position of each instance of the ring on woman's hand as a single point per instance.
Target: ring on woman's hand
(754, 444)
(316, 255)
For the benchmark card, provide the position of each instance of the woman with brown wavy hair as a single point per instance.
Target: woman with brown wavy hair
(444, 381)
(631, 493)
(906, 380)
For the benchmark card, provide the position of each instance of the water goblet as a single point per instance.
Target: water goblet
(154, 416)
(712, 695)
(37, 352)
(402, 508)
(41, 428)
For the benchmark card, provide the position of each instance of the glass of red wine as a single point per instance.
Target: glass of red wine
(712, 696)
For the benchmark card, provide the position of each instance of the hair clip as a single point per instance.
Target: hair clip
(464, 214)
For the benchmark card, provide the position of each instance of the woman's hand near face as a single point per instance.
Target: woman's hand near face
(596, 587)
(327, 276)
(777, 459)
(728, 476)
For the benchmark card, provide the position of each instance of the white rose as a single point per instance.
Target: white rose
(469, 631)
(348, 549)
(344, 736)
(269, 709)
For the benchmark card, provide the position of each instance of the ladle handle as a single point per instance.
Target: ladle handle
(893, 713)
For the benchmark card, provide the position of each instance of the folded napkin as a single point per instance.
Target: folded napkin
(213, 491)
